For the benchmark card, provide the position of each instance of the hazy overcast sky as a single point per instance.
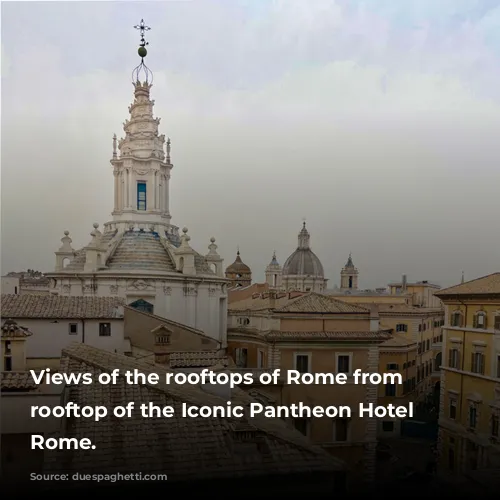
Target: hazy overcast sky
(377, 121)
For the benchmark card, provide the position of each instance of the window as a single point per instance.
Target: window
(7, 364)
(427, 344)
(104, 329)
(453, 358)
(302, 425)
(343, 363)
(162, 339)
(142, 305)
(456, 319)
(498, 365)
(241, 357)
(341, 429)
(394, 366)
(477, 363)
(243, 321)
(7, 348)
(141, 196)
(302, 363)
(453, 409)
(495, 425)
(73, 328)
(472, 416)
(390, 389)
(401, 327)
(260, 359)
(497, 322)
(388, 426)
(15, 290)
(480, 320)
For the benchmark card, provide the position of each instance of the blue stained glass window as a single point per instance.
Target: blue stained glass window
(141, 196)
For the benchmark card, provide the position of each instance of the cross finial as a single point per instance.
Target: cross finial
(142, 29)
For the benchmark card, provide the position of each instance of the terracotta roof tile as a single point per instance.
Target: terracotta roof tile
(184, 448)
(317, 303)
(197, 359)
(358, 336)
(398, 340)
(10, 329)
(21, 381)
(57, 306)
(489, 284)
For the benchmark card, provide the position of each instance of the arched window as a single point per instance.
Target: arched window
(142, 305)
(401, 327)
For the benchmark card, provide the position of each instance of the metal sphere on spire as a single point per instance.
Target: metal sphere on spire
(142, 71)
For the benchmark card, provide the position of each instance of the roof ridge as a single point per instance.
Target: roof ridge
(170, 322)
(468, 282)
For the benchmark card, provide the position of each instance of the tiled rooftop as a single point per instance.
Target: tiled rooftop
(136, 251)
(141, 250)
(17, 381)
(10, 329)
(317, 303)
(357, 336)
(312, 303)
(385, 309)
(398, 340)
(62, 307)
(489, 284)
(197, 359)
(184, 448)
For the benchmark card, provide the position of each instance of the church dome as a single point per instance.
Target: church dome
(238, 266)
(303, 262)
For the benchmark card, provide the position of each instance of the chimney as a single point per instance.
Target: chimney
(374, 318)
(403, 288)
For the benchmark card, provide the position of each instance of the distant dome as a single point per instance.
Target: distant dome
(238, 266)
(303, 262)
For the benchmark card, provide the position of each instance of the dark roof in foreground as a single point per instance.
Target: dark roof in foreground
(184, 448)
(61, 307)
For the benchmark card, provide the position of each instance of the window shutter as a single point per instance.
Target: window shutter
(450, 358)
(472, 363)
(474, 321)
(485, 321)
(497, 322)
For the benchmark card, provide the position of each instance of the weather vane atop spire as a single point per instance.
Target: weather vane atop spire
(147, 74)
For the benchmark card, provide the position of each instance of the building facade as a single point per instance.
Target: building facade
(311, 333)
(58, 321)
(469, 417)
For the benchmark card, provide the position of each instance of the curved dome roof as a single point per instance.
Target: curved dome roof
(303, 262)
(238, 266)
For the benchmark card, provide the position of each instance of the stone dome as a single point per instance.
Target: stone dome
(238, 266)
(303, 262)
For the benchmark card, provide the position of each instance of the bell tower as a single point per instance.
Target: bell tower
(349, 276)
(141, 160)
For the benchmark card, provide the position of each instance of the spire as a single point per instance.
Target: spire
(349, 261)
(142, 71)
(463, 277)
(274, 260)
(304, 237)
